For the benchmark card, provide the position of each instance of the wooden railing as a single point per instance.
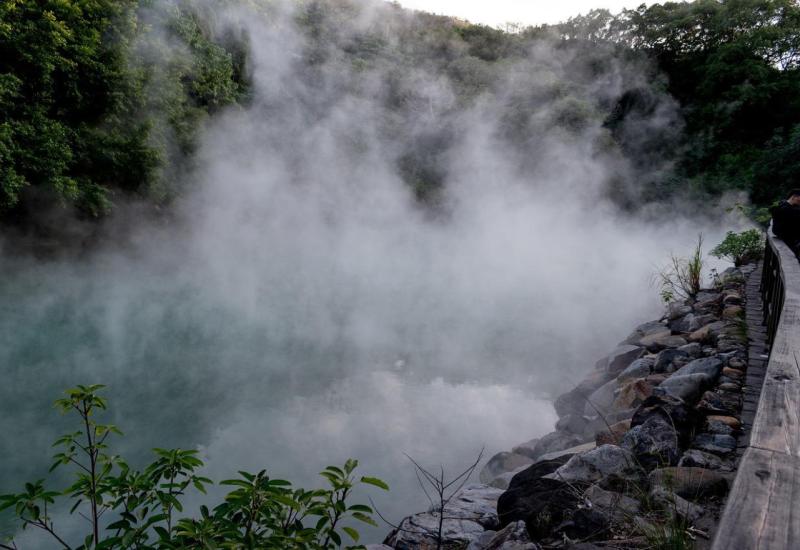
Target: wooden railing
(772, 287)
(763, 508)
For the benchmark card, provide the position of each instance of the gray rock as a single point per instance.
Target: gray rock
(687, 323)
(572, 402)
(732, 299)
(420, 531)
(717, 427)
(710, 367)
(669, 360)
(502, 463)
(676, 505)
(645, 329)
(513, 536)
(527, 448)
(701, 459)
(669, 410)
(615, 505)
(542, 503)
(482, 541)
(555, 441)
(654, 443)
(572, 423)
(705, 296)
(690, 482)
(728, 344)
(476, 502)
(622, 357)
(378, 547)
(503, 481)
(720, 403)
(715, 443)
(694, 349)
(584, 523)
(578, 449)
(638, 369)
(657, 342)
(471, 511)
(597, 464)
(687, 387)
(676, 310)
(601, 400)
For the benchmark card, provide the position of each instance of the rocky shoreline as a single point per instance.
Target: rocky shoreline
(642, 455)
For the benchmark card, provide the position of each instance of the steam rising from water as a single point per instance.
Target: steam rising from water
(306, 309)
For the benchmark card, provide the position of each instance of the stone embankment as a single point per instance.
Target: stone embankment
(643, 452)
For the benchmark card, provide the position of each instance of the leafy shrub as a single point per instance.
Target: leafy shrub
(127, 508)
(741, 248)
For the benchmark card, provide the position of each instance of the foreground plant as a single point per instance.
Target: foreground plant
(741, 248)
(681, 279)
(126, 508)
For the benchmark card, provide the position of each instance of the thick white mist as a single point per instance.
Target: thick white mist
(305, 308)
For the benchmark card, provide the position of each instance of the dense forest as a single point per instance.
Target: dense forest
(102, 101)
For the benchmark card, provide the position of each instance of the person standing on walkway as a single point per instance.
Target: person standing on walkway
(786, 220)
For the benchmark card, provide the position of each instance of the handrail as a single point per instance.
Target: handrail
(771, 287)
(761, 511)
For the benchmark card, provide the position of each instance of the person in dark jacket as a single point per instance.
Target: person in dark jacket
(786, 220)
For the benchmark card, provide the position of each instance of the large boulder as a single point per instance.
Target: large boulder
(708, 333)
(654, 443)
(640, 368)
(670, 410)
(645, 329)
(670, 360)
(693, 349)
(612, 434)
(691, 483)
(527, 448)
(523, 480)
(616, 505)
(502, 463)
(675, 505)
(566, 454)
(584, 523)
(622, 357)
(468, 514)
(687, 387)
(687, 323)
(513, 536)
(476, 502)
(596, 465)
(632, 393)
(555, 441)
(719, 403)
(541, 503)
(420, 531)
(572, 423)
(710, 367)
(715, 443)
(573, 401)
(701, 459)
(676, 310)
(657, 342)
(601, 400)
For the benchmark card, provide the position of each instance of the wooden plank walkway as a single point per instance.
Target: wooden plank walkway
(762, 512)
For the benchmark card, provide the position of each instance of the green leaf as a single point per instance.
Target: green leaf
(360, 508)
(352, 532)
(376, 482)
(366, 519)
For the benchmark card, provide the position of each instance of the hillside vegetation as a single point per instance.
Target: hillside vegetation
(102, 102)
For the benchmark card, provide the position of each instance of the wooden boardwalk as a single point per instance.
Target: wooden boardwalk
(762, 511)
